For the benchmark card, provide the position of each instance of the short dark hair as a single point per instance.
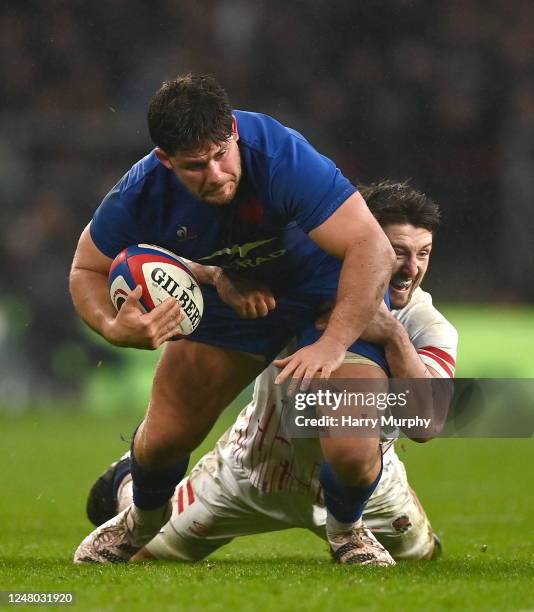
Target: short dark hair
(189, 112)
(392, 202)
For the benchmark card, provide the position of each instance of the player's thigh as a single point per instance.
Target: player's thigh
(193, 383)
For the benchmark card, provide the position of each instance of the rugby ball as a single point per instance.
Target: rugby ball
(161, 274)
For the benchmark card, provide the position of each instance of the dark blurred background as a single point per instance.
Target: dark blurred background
(437, 91)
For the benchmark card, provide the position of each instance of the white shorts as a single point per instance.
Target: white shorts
(217, 503)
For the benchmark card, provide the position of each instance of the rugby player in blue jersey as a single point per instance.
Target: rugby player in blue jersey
(237, 191)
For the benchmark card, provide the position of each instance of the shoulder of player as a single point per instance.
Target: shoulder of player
(146, 170)
(421, 309)
(263, 134)
(420, 301)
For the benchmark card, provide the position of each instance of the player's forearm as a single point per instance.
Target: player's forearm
(90, 296)
(426, 400)
(206, 275)
(363, 282)
(403, 360)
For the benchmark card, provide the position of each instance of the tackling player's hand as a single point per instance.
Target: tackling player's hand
(381, 327)
(250, 299)
(323, 357)
(134, 328)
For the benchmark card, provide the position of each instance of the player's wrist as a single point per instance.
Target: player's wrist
(108, 330)
(335, 340)
(206, 275)
(111, 332)
(395, 336)
(216, 275)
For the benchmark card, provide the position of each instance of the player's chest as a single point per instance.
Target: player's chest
(222, 235)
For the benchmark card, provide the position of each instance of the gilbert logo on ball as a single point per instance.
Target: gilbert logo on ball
(161, 274)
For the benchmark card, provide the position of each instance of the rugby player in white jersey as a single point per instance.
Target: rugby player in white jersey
(258, 480)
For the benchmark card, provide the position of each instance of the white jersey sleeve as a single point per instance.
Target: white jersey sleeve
(433, 337)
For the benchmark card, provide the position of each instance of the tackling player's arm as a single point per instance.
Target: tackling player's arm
(401, 355)
(405, 364)
(427, 400)
(351, 233)
(250, 299)
(130, 327)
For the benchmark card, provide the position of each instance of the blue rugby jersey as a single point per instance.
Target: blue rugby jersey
(287, 189)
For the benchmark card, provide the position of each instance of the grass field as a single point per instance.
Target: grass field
(475, 491)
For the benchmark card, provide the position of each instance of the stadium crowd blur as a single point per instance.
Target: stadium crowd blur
(439, 91)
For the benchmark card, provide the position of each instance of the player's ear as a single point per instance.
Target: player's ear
(163, 158)
(235, 133)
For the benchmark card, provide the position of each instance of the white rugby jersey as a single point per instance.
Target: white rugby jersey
(434, 338)
(273, 462)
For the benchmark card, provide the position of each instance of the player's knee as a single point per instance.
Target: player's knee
(414, 546)
(354, 464)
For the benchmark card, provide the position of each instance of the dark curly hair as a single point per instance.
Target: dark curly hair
(392, 202)
(188, 113)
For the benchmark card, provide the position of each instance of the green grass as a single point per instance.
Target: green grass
(494, 341)
(478, 494)
(475, 492)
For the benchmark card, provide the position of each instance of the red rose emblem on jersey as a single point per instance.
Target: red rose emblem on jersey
(251, 210)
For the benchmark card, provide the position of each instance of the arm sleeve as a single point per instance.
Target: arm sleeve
(306, 186)
(435, 339)
(437, 347)
(442, 359)
(113, 227)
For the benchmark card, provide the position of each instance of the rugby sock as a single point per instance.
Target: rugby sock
(344, 504)
(153, 488)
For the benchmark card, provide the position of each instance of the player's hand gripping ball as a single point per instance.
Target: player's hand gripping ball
(161, 274)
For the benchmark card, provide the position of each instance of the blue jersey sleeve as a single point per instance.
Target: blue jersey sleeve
(306, 186)
(113, 226)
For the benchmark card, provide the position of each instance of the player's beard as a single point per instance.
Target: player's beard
(227, 194)
(400, 299)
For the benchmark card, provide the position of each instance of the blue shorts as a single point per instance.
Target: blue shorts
(294, 316)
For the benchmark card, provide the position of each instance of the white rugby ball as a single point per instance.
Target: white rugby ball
(161, 274)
